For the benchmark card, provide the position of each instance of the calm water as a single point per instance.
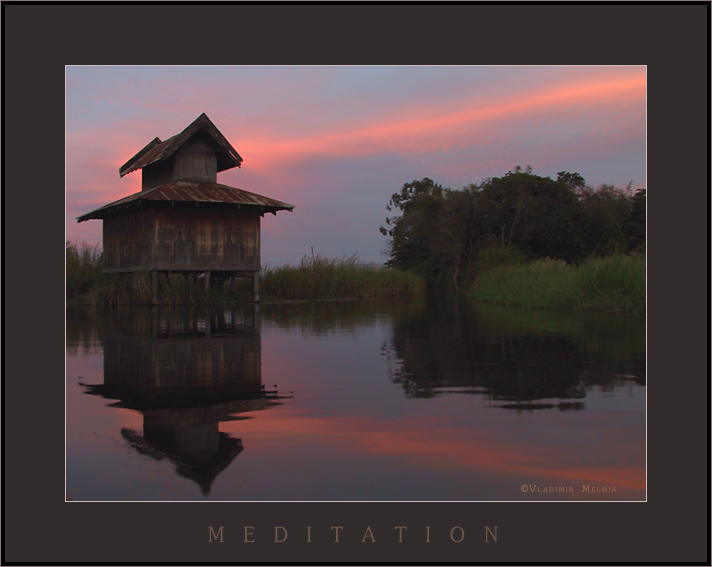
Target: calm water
(354, 400)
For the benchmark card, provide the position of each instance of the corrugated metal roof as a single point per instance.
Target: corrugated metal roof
(150, 153)
(156, 150)
(196, 192)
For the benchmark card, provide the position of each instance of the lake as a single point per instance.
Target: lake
(426, 399)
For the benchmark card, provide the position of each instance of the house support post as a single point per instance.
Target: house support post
(256, 287)
(154, 287)
(207, 283)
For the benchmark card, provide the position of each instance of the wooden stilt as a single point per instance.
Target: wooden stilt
(256, 287)
(154, 287)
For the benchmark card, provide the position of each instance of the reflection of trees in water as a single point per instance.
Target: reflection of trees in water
(455, 347)
(602, 336)
(185, 371)
(81, 330)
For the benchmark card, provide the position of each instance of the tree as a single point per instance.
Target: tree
(443, 234)
(535, 214)
(605, 210)
(572, 180)
(460, 230)
(635, 222)
(411, 230)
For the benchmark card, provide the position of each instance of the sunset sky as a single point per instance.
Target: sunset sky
(336, 142)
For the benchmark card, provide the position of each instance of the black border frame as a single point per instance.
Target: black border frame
(671, 38)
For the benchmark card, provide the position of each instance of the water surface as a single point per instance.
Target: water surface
(420, 400)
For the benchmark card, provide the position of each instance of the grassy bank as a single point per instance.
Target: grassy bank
(615, 284)
(314, 278)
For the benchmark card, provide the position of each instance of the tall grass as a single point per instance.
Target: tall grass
(613, 284)
(83, 268)
(318, 277)
(172, 289)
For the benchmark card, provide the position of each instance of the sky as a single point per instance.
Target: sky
(337, 142)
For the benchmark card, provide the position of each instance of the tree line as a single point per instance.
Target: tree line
(448, 236)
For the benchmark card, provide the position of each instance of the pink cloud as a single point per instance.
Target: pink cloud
(442, 128)
(310, 139)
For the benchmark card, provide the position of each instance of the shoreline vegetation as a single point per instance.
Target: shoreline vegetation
(315, 278)
(613, 284)
(524, 240)
(520, 240)
(346, 278)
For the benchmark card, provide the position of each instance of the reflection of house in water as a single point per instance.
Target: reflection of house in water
(185, 373)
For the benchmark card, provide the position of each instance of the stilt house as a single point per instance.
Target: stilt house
(183, 220)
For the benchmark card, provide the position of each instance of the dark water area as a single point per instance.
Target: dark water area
(429, 399)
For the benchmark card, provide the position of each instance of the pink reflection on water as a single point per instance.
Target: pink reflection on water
(434, 444)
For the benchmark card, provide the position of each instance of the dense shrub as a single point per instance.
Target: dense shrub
(449, 236)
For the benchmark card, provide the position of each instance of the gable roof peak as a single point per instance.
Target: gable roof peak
(156, 150)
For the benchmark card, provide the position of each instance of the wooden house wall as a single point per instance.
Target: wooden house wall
(184, 237)
(127, 240)
(207, 238)
(196, 159)
(156, 174)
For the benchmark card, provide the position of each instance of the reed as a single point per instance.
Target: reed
(614, 284)
(83, 269)
(136, 289)
(317, 277)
